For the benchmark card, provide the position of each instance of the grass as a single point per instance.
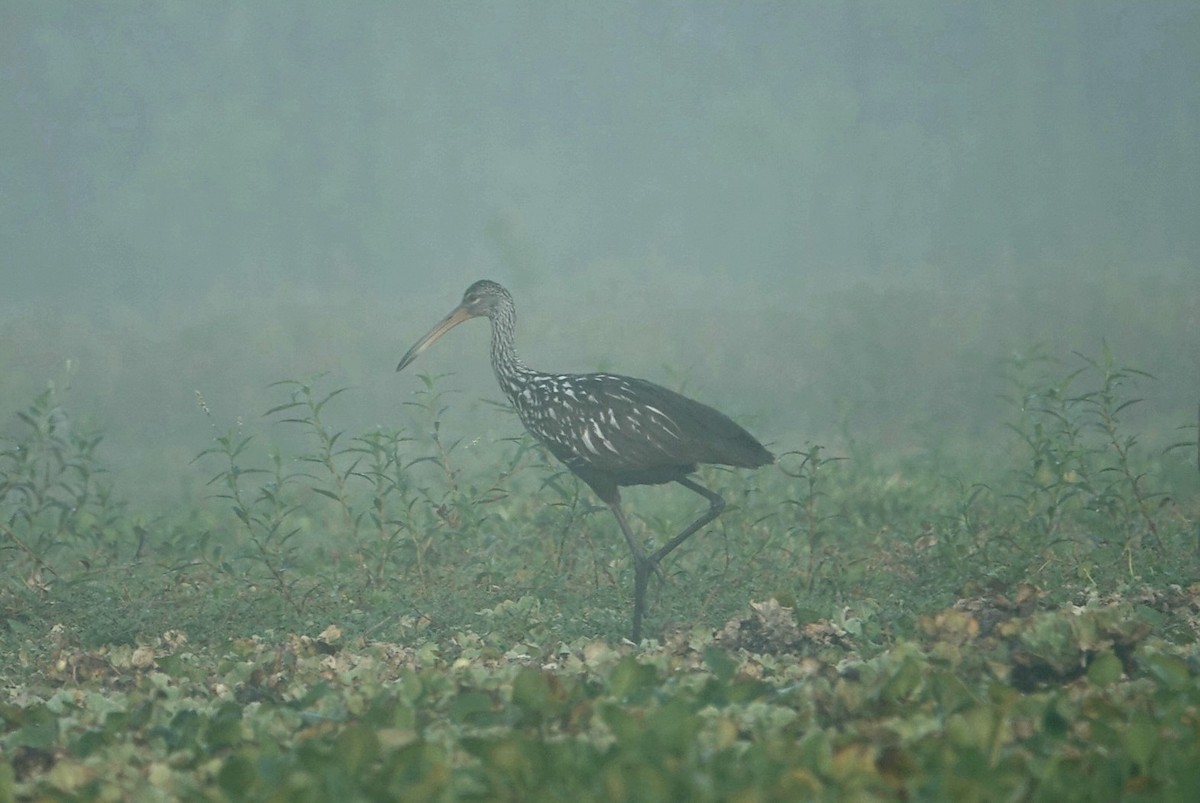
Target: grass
(388, 613)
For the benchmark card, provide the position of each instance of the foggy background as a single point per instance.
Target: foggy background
(835, 221)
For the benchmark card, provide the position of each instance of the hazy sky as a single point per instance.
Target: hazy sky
(153, 151)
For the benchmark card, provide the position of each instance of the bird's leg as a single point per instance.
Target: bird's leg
(716, 504)
(642, 566)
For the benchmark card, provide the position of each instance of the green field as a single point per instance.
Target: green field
(404, 614)
(941, 258)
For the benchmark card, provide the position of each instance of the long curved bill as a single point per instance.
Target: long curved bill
(452, 320)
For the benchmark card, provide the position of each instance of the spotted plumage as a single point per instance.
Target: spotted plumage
(609, 430)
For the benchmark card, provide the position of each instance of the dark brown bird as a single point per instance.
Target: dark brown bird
(609, 430)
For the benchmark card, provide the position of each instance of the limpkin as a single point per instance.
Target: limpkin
(609, 430)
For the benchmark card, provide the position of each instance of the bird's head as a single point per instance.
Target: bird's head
(483, 298)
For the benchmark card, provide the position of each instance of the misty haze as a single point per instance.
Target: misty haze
(941, 258)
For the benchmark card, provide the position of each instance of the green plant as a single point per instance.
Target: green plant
(1057, 464)
(810, 523)
(335, 489)
(965, 535)
(56, 503)
(1123, 494)
(264, 510)
(384, 466)
(1192, 445)
(1084, 479)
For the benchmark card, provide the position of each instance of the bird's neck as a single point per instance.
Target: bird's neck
(511, 373)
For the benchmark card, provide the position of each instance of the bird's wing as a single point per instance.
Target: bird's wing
(617, 423)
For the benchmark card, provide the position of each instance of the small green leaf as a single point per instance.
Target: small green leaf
(280, 408)
(719, 663)
(357, 745)
(746, 691)
(629, 676)
(88, 743)
(1141, 738)
(531, 690)
(904, 681)
(237, 775)
(8, 780)
(674, 725)
(225, 726)
(1053, 722)
(40, 729)
(470, 706)
(1104, 669)
(181, 733)
(1171, 671)
(625, 727)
